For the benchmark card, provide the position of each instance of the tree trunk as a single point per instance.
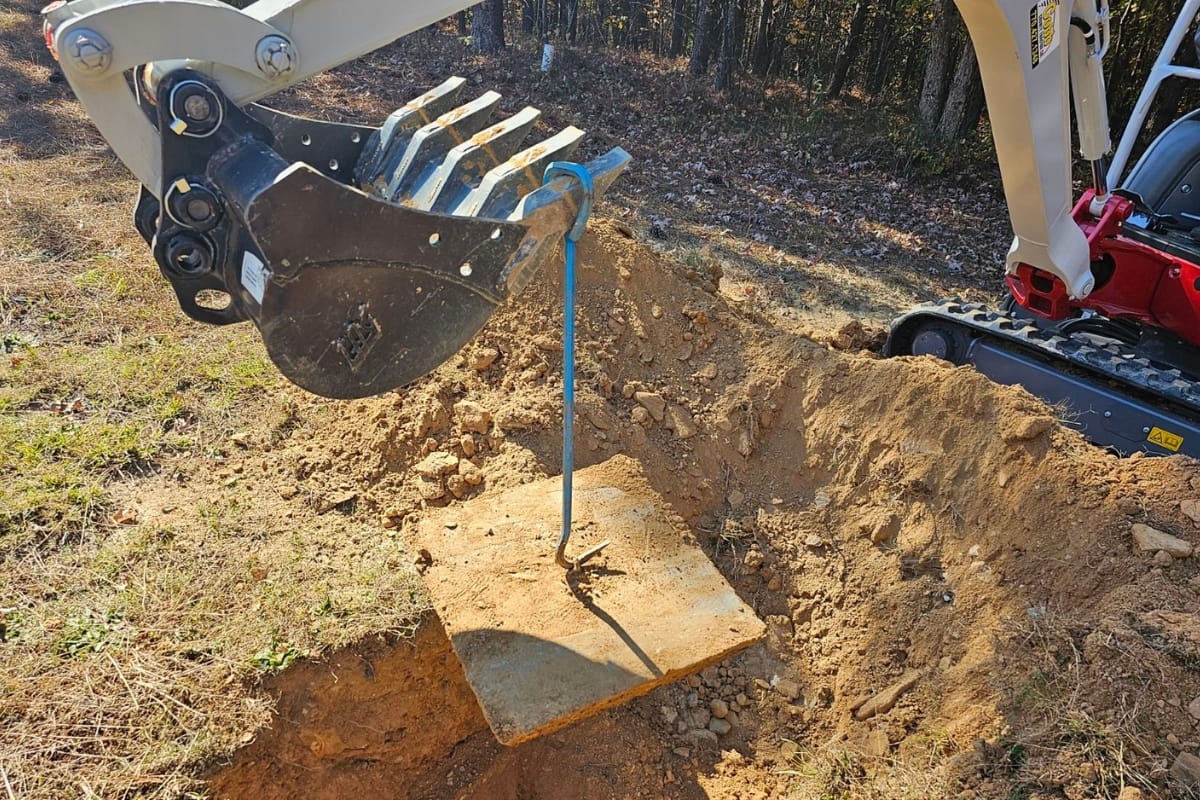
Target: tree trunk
(760, 56)
(572, 21)
(701, 39)
(882, 57)
(528, 18)
(678, 27)
(463, 23)
(954, 114)
(937, 66)
(487, 32)
(841, 69)
(731, 41)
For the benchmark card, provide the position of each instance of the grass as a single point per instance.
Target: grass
(143, 596)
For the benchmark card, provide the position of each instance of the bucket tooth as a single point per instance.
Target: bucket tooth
(549, 212)
(431, 143)
(397, 129)
(502, 188)
(466, 165)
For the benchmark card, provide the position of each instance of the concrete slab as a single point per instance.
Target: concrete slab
(542, 650)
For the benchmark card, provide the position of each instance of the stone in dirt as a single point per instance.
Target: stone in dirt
(472, 417)
(1151, 540)
(482, 358)
(876, 744)
(1186, 770)
(1194, 708)
(883, 702)
(720, 726)
(719, 708)
(702, 738)
(652, 402)
(788, 688)
(1190, 509)
(436, 464)
(1131, 793)
(681, 422)
(332, 501)
(1163, 559)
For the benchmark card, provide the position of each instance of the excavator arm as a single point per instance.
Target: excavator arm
(1032, 54)
(365, 256)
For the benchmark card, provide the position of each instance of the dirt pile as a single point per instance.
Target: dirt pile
(953, 600)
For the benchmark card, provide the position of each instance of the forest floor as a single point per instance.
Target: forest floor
(205, 587)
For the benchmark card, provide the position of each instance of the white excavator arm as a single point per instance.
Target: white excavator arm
(1032, 54)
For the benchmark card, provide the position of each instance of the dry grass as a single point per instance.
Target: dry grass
(142, 596)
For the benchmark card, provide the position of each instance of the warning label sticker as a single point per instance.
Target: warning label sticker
(254, 276)
(1044, 32)
(1165, 439)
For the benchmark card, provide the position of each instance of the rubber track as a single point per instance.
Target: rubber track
(1112, 360)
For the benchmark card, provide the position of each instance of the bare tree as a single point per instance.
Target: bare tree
(487, 28)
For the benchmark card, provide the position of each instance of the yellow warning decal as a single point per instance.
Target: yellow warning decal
(1164, 439)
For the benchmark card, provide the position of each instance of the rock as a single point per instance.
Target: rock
(876, 745)
(1163, 559)
(700, 717)
(1027, 428)
(288, 492)
(1172, 740)
(430, 488)
(753, 560)
(681, 422)
(711, 676)
(720, 726)
(682, 752)
(1190, 509)
(1194, 708)
(652, 402)
(745, 443)
(788, 750)
(742, 700)
(736, 498)
(1131, 793)
(332, 501)
(482, 358)
(814, 541)
(718, 708)
(1186, 770)
(457, 486)
(821, 499)
(669, 714)
(470, 473)
(702, 737)
(436, 464)
(882, 702)
(472, 417)
(973, 552)
(775, 584)
(788, 688)
(707, 373)
(467, 443)
(1151, 540)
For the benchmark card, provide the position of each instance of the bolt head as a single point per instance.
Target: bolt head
(89, 51)
(275, 56)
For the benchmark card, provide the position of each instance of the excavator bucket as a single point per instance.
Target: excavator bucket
(365, 256)
(543, 648)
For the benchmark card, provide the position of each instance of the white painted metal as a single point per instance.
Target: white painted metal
(1025, 80)
(221, 42)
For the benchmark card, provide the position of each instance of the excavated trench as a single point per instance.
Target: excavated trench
(892, 521)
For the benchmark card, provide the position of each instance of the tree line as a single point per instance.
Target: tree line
(912, 51)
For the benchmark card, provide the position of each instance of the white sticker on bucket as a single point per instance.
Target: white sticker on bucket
(254, 276)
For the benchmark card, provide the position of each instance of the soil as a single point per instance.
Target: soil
(953, 601)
